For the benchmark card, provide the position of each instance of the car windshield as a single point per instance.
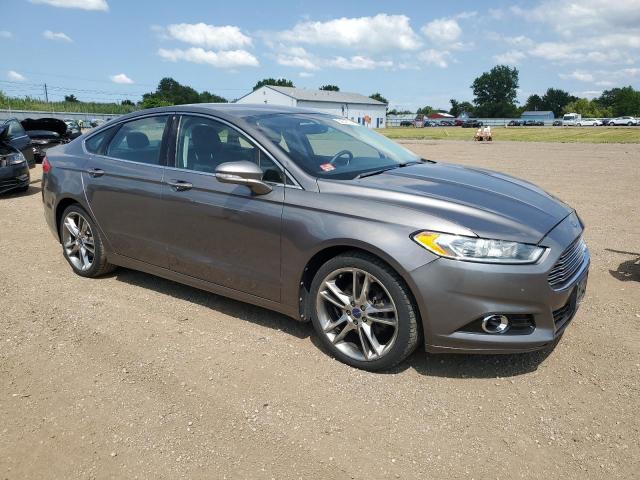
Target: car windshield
(332, 147)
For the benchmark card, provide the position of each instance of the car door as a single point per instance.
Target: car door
(123, 184)
(222, 233)
(17, 137)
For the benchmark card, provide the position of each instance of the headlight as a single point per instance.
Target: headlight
(474, 249)
(12, 159)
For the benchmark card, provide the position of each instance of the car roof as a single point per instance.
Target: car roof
(225, 109)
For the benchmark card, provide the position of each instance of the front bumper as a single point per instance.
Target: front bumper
(452, 294)
(14, 176)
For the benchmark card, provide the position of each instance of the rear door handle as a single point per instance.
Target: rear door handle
(95, 172)
(179, 185)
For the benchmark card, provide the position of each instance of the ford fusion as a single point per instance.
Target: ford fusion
(323, 220)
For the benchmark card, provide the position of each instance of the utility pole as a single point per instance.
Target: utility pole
(46, 94)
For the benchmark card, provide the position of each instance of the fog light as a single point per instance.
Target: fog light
(495, 324)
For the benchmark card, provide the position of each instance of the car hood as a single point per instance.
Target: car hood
(50, 124)
(491, 204)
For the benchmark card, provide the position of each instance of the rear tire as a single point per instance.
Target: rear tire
(374, 329)
(82, 244)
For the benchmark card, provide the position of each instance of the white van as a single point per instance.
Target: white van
(571, 119)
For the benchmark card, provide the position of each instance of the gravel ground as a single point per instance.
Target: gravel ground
(132, 376)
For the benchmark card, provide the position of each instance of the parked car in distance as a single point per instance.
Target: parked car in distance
(45, 133)
(458, 122)
(96, 122)
(514, 123)
(557, 123)
(471, 123)
(378, 248)
(16, 157)
(446, 123)
(406, 123)
(431, 123)
(589, 122)
(73, 129)
(626, 120)
(605, 121)
(533, 123)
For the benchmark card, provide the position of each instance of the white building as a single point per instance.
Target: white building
(363, 110)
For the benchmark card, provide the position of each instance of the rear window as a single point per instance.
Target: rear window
(96, 143)
(139, 140)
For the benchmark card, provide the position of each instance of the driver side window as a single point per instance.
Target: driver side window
(203, 144)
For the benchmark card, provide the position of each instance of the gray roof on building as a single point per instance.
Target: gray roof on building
(533, 113)
(324, 95)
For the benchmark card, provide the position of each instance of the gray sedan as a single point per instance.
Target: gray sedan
(325, 221)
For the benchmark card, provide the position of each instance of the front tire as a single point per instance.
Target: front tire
(363, 312)
(82, 244)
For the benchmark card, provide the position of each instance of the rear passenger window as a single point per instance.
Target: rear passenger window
(96, 143)
(139, 140)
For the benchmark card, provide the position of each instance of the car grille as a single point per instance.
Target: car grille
(567, 265)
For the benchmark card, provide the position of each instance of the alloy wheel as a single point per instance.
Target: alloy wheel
(357, 314)
(78, 241)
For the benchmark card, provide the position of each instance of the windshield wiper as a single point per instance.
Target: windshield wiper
(382, 170)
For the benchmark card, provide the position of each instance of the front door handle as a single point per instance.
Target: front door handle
(95, 172)
(179, 185)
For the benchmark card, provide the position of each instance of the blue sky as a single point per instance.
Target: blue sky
(415, 53)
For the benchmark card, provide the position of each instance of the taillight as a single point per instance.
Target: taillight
(46, 166)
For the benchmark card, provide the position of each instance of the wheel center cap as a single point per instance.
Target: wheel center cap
(356, 313)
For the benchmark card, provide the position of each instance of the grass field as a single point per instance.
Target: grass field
(522, 134)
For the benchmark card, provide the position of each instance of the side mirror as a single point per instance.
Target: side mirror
(243, 173)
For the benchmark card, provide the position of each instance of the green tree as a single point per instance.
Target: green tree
(534, 103)
(276, 82)
(399, 112)
(331, 88)
(425, 110)
(206, 97)
(71, 98)
(495, 92)
(127, 102)
(620, 101)
(587, 108)
(458, 108)
(555, 100)
(377, 96)
(171, 92)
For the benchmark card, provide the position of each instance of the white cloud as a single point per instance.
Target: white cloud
(222, 59)
(56, 36)
(379, 33)
(512, 57)
(496, 13)
(298, 57)
(225, 37)
(435, 57)
(357, 62)
(121, 78)
(5, 34)
(593, 15)
(442, 30)
(577, 75)
(82, 4)
(15, 76)
(305, 74)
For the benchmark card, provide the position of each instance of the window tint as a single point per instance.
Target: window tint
(15, 129)
(139, 140)
(95, 144)
(203, 144)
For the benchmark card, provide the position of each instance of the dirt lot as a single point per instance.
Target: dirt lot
(132, 376)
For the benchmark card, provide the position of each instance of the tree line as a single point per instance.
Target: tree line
(495, 92)
(494, 95)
